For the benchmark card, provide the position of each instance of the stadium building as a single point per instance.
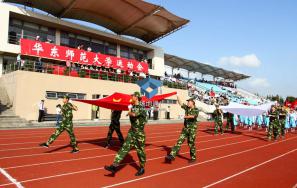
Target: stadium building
(44, 56)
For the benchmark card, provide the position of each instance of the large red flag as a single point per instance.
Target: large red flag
(120, 101)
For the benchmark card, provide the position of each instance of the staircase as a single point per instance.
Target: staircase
(7, 116)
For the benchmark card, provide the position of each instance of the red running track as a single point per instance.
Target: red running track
(245, 159)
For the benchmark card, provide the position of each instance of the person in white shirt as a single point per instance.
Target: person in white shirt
(41, 110)
(168, 112)
(58, 115)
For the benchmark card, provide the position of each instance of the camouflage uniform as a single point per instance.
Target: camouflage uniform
(218, 121)
(65, 125)
(188, 132)
(282, 122)
(229, 121)
(135, 137)
(115, 126)
(273, 129)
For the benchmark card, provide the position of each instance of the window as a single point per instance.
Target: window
(131, 53)
(21, 29)
(125, 52)
(111, 49)
(60, 95)
(97, 46)
(169, 101)
(64, 39)
(51, 95)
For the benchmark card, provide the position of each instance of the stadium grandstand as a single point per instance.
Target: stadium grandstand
(44, 56)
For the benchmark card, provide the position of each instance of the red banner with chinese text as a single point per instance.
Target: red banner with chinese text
(62, 53)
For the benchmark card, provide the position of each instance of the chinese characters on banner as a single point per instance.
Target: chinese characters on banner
(51, 51)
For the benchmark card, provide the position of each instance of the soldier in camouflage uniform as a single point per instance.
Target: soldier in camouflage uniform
(115, 126)
(273, 129)
(217, 115)
(135, 137)
(282, 120)
(188, 132)
(65, 125)
(229, 120)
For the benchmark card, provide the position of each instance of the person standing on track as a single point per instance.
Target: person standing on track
(218, 119)
(115, 126)
(65, 125)
(188, 132)
(273, 128)
(282, 121)
(229, 121)
(135, 137)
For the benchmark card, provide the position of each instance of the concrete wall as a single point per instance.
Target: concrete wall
(26, 89)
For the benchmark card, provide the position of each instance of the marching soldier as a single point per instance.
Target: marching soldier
(188, 132)
(273, 129)
(115, 126)
(218, 118)
(65, 125)
(135, 137)
(282, 121)
(229, 121)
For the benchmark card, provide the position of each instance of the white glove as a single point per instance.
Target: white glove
(130, 106)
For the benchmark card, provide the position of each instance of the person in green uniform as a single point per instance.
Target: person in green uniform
(218, 119)
(135, 137)
(66, 124)
(273, 128)
(282, 121)
(229, 121)
(115, 126)
(188, 132)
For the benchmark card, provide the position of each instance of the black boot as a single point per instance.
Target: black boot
(107, 145)
(44, 145)
(140, 172)
(74, 150)
(111, 168)
(169, 158)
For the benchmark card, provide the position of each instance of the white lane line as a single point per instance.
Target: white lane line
(27, 148)
(22, 143)
(102, 126)
(189, 166)
(124, 127)
(107, 155)
(85, 133)
(11, 179)
(101, 168)
(99, 148)
(249, 169)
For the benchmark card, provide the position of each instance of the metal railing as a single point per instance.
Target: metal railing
(49, 68)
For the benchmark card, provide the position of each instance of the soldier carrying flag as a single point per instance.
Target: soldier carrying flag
(115, 126)
(135, 137)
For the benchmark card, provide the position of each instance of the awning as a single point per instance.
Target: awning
(194, 66)
(135, 18)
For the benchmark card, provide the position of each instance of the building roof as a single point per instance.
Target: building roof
(194, 66)
(135, 18)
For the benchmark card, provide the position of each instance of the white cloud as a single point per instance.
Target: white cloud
(259, 83)
(250, 60)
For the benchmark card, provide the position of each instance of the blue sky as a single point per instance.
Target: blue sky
(255, 37)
